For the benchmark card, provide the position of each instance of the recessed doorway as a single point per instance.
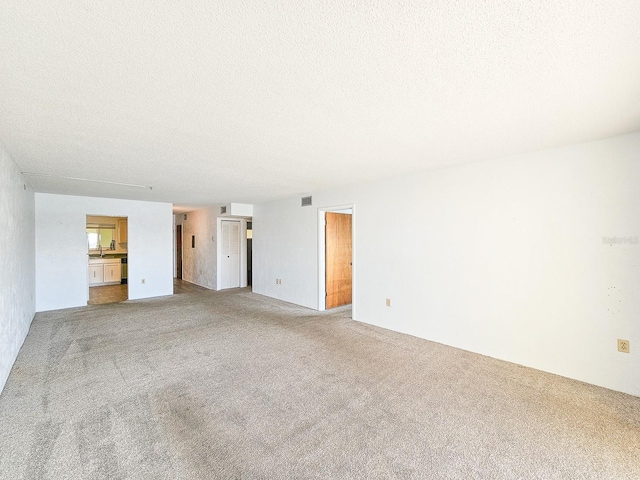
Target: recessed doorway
(249, 252)
(179, 252)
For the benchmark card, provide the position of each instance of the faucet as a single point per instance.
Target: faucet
(100, 250)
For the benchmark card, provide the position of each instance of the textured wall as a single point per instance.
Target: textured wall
(61, 247)
(17, 263)
(533, 259)
(199, 264)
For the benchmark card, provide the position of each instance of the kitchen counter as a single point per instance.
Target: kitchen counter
(108, 255)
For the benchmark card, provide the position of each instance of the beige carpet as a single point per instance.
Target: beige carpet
(235, 385)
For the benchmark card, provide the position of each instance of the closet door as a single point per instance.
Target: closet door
(230, 268)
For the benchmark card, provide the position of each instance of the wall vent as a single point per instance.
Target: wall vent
(306, 201)
(223, 210)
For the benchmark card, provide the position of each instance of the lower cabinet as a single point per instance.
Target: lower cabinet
(104, 271)
(112, 272)
(96, 274)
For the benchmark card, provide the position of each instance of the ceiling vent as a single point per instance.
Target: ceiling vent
(306, 201)
(223, 210)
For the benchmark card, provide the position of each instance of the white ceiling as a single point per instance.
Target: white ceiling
(246, 101)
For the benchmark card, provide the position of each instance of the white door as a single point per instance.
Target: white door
(230, 268)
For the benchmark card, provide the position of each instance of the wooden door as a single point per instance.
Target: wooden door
(179, 251)
(338, 259)
(230, 268)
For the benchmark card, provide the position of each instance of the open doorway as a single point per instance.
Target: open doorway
(249, 251)
(107, 259)
(336, 256)
(179, 252)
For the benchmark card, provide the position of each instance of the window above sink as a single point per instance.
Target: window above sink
(106, 235)
(101, 236)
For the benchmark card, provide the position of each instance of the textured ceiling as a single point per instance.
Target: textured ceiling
(246, 101)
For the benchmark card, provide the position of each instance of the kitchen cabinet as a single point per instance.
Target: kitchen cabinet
(104, 271)
(122, 230)
(96, 274)
(112, 272)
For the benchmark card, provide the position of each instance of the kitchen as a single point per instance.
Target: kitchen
(107, 259)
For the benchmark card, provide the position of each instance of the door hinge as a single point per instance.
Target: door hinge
(325, 295)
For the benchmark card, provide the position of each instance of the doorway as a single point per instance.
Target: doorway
(107, 259)
(179, 252)
(336, 256)
(249, 251)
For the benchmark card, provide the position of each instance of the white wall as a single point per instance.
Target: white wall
(285, 246)
(61, 247)
(17, 262)
(505, 257)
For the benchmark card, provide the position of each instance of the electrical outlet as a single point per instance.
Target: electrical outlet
(142, 281)
(623, 346)
(388, 302)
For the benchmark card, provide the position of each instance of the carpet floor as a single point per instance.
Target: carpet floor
(236, 385)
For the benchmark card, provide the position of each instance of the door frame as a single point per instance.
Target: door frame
(322, 258)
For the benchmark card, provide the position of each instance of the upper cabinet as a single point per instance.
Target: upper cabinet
(122, 230)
